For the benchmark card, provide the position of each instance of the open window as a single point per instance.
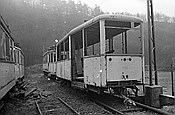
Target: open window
(92, 40)
(58, 52)
(51, 57)
(2, 46)
(66, 49)
(54, 58)
(122, 37)
(63, 50)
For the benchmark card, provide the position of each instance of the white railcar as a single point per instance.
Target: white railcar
(49, 61)
(104, 53)
(9, 72)
(19, 62)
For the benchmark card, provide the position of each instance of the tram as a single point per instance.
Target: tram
(49, 61)
(102, 54)
(11, 60)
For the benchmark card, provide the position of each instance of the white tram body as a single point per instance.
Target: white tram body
(104, 52)
(49, 61)
(10, 69)
(19, 62)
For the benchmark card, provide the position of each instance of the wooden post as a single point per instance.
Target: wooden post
(172, 79)
(149, 44)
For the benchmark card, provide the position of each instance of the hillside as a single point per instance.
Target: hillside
(165, 40)
(36, 26)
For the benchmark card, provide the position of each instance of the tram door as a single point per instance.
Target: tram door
(77, 57)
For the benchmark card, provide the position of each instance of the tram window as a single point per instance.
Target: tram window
(134, 42)
(2, 42)
(19, 59)
(11, 49)
(22, 60)
(92, 40)
(51, 57)
(109, 45)
(54, 57)
(62, 51)
(11, 54)
(18, 56)
(47, 57)
(15, 59)
(121, 38)
(67, 49)
(7, 48)
(58, 52)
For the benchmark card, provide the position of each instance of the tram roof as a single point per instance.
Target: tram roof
(19, 49)
(114, 17)
(50, 49)
(5, 26)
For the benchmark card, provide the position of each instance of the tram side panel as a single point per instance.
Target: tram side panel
(51, 67)
(92, 71)
(17, 68)
(60, 69)
(95, 71)
(67, 70)
(22, 66)
(45, 66)
(99, 71)
(121, 68)
(63, 69)
(7, 78)
(45, 63)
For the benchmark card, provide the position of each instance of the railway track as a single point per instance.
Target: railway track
(149, 108)
(115, 105)
(72, 109)
(38, 108)
(48, 108)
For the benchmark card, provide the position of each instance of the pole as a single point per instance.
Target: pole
(172, 79)
(153, 40)
(149, 43)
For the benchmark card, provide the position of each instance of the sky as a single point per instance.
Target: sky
(166, 7)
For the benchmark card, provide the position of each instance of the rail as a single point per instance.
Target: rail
(38, 108)
(72, 109)
(108, 107)
(148, 107)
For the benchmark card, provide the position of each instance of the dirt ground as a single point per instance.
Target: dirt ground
(35, 78)
(21, 106)
(46, 91)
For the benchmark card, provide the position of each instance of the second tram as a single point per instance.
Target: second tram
(104, 53)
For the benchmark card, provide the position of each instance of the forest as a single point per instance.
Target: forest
(36, 24)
